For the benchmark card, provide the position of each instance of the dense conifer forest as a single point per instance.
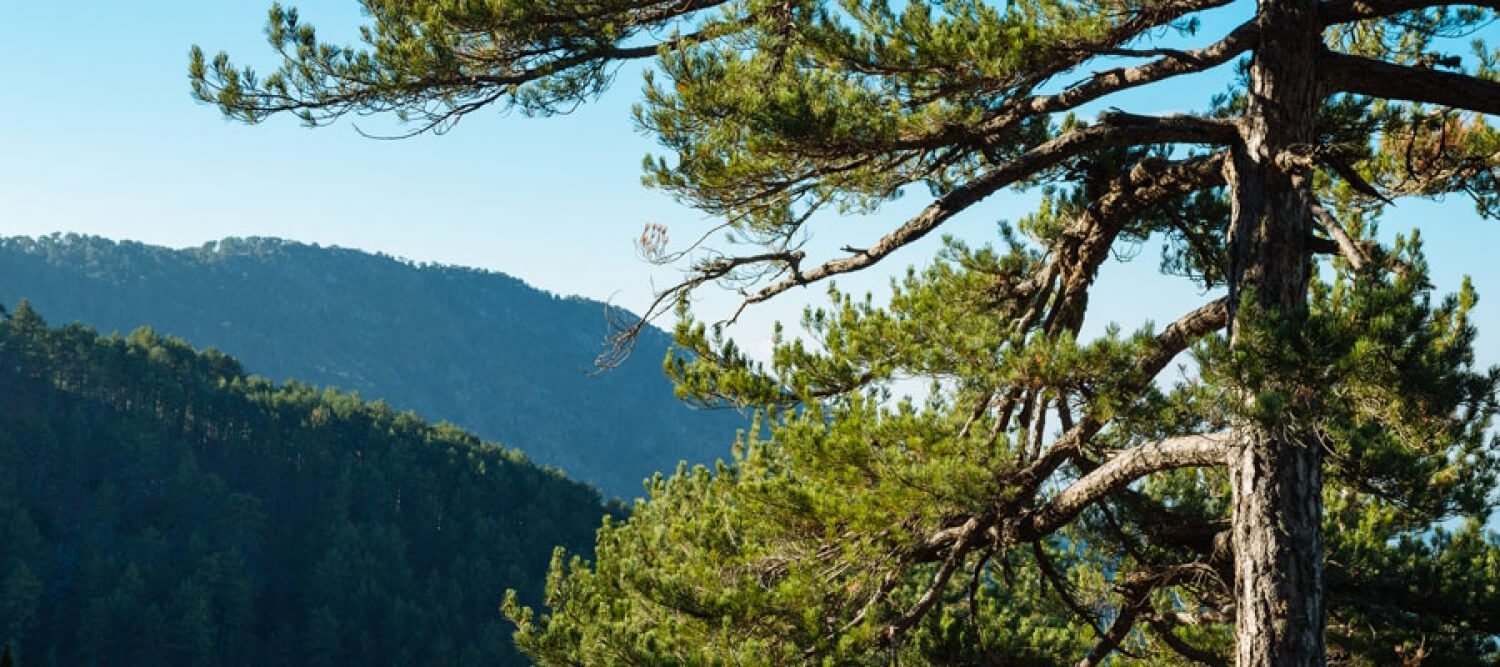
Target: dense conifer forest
(159, 506)
(480, 349)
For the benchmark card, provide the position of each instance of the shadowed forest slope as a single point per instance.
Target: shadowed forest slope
(160, 507)
(480, 349)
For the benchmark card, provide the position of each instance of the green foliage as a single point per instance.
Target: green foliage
(479, 349)
(158, 506)
(783, 555)
(1050, 497)
(448, 42)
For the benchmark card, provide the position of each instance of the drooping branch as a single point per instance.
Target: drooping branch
(1114, 130)
(934, 592)
(1344, 73)
(1136, 589)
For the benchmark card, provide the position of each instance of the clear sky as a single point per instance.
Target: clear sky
(98, 135)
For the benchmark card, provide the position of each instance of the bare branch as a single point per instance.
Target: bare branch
(1345, 245)
(625, 331)
(1342, 72)
(1125, 467)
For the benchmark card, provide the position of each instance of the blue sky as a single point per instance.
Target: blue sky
(98, 135)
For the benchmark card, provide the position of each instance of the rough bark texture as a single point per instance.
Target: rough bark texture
(1278, 552)
(1277, 481)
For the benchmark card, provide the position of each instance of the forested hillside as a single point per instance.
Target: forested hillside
(160, 507)
(480, 349)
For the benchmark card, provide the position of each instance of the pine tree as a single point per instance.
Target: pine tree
(1056, 498)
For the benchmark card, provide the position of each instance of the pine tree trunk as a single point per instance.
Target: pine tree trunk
(1278, 552)
(1276, 479)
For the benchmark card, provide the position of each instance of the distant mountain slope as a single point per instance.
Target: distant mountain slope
(159, 507)
(480, 349)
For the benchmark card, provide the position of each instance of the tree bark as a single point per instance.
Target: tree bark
(1276, 476)
(1278, 552)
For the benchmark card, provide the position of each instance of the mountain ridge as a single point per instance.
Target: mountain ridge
(478, 348)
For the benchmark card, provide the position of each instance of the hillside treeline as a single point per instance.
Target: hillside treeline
(159, 506)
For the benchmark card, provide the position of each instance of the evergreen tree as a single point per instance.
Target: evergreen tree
(1055, 498)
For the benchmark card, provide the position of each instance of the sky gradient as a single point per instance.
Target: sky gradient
(100, 136)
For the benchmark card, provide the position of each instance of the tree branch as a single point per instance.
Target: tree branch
(1136, 588)
(1114, 130)
(1118, 630)
(1085, 243)
(1170, 342)
(475, 61)
(934, 591)
(1112, 81)
(1120, 470)
(1068, 57)
(1345, 11)
(624, 331)
(1061, 586)
(1341, 240)
(1200, 617)
(1207, 318)
(1342, 72)
(1182, 648)
(1125, 467)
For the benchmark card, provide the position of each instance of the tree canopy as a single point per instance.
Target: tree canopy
(1313, 491)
